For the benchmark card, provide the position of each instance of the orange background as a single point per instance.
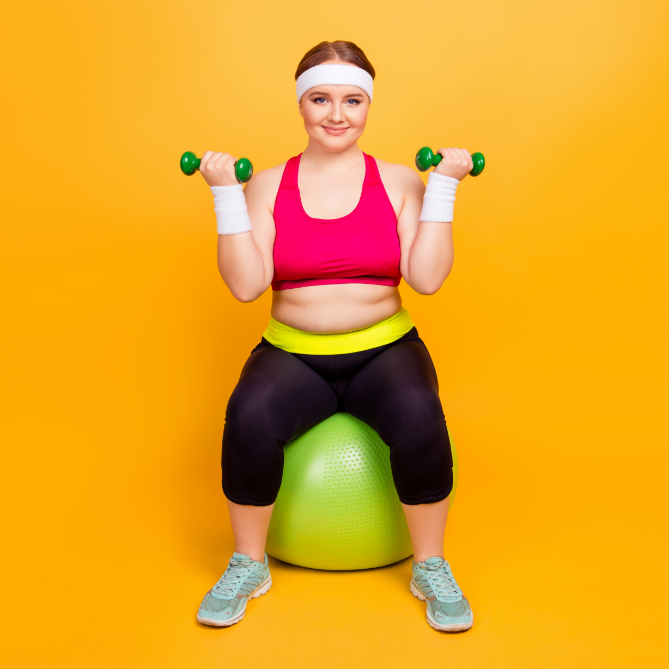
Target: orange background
(123, 344)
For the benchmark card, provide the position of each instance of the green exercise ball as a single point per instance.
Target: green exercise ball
(337, 507)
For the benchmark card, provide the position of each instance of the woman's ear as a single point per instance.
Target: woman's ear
(299, 107)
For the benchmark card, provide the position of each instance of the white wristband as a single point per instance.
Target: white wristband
(439, 198)
(232, 217)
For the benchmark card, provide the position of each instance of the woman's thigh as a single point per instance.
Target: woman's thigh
(397, 394)
(277, 395)
(278, 386)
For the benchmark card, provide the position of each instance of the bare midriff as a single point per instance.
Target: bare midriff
(335, 307)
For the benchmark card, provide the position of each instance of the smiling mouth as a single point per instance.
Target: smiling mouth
(334, 131)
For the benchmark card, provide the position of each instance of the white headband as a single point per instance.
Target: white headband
(336, 75)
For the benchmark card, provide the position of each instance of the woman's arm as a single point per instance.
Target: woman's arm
(246, 261)
(427, 248)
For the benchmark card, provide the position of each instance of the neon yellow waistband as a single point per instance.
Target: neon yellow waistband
(334, 343)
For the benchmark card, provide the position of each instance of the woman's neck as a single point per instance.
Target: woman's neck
(319, 159)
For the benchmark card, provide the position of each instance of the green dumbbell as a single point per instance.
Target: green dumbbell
(426, 158)
(190, 163)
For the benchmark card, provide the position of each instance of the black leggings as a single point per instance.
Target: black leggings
(393, 388)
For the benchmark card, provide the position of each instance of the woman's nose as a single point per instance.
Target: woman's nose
(336, 113)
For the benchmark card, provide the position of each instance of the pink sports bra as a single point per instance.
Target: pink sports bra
(361, 247)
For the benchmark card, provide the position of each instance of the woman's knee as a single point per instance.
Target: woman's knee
(412, 413)
(264, 412)
(251, 456)
(413, 424)
(254, 410)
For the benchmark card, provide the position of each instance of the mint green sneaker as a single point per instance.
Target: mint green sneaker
(244, 579)
(447, 608)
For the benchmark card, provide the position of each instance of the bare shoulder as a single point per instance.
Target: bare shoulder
(264, 185)
(399, 176)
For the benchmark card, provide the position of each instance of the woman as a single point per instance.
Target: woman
(333, 231)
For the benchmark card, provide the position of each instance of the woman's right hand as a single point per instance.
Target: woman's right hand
(218, 169)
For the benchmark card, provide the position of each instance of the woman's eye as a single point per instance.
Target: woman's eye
(317, 99)
(357, 102)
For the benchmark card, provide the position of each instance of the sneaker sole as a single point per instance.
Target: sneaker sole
(258, 592)
(457, 627)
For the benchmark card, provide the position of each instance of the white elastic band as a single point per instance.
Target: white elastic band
(439, 198)
(232, 217)
(335, 75)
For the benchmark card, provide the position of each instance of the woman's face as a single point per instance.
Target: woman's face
(335, 116)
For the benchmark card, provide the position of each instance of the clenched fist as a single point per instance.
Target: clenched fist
(218, 169)
(456, 163)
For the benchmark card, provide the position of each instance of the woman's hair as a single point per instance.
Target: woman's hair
(339, 49)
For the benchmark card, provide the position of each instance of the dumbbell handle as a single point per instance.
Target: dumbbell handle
(426, 158)
(190, 163)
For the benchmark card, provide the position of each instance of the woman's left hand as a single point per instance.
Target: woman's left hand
(456, 163)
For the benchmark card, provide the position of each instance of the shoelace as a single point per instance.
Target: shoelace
(443, 583)
(234, 574)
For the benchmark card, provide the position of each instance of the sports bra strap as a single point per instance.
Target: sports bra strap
(372, 176)
(288, 177)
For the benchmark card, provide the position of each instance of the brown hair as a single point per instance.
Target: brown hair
(339, 49)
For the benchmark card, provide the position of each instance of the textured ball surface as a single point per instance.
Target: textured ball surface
(338, 507)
